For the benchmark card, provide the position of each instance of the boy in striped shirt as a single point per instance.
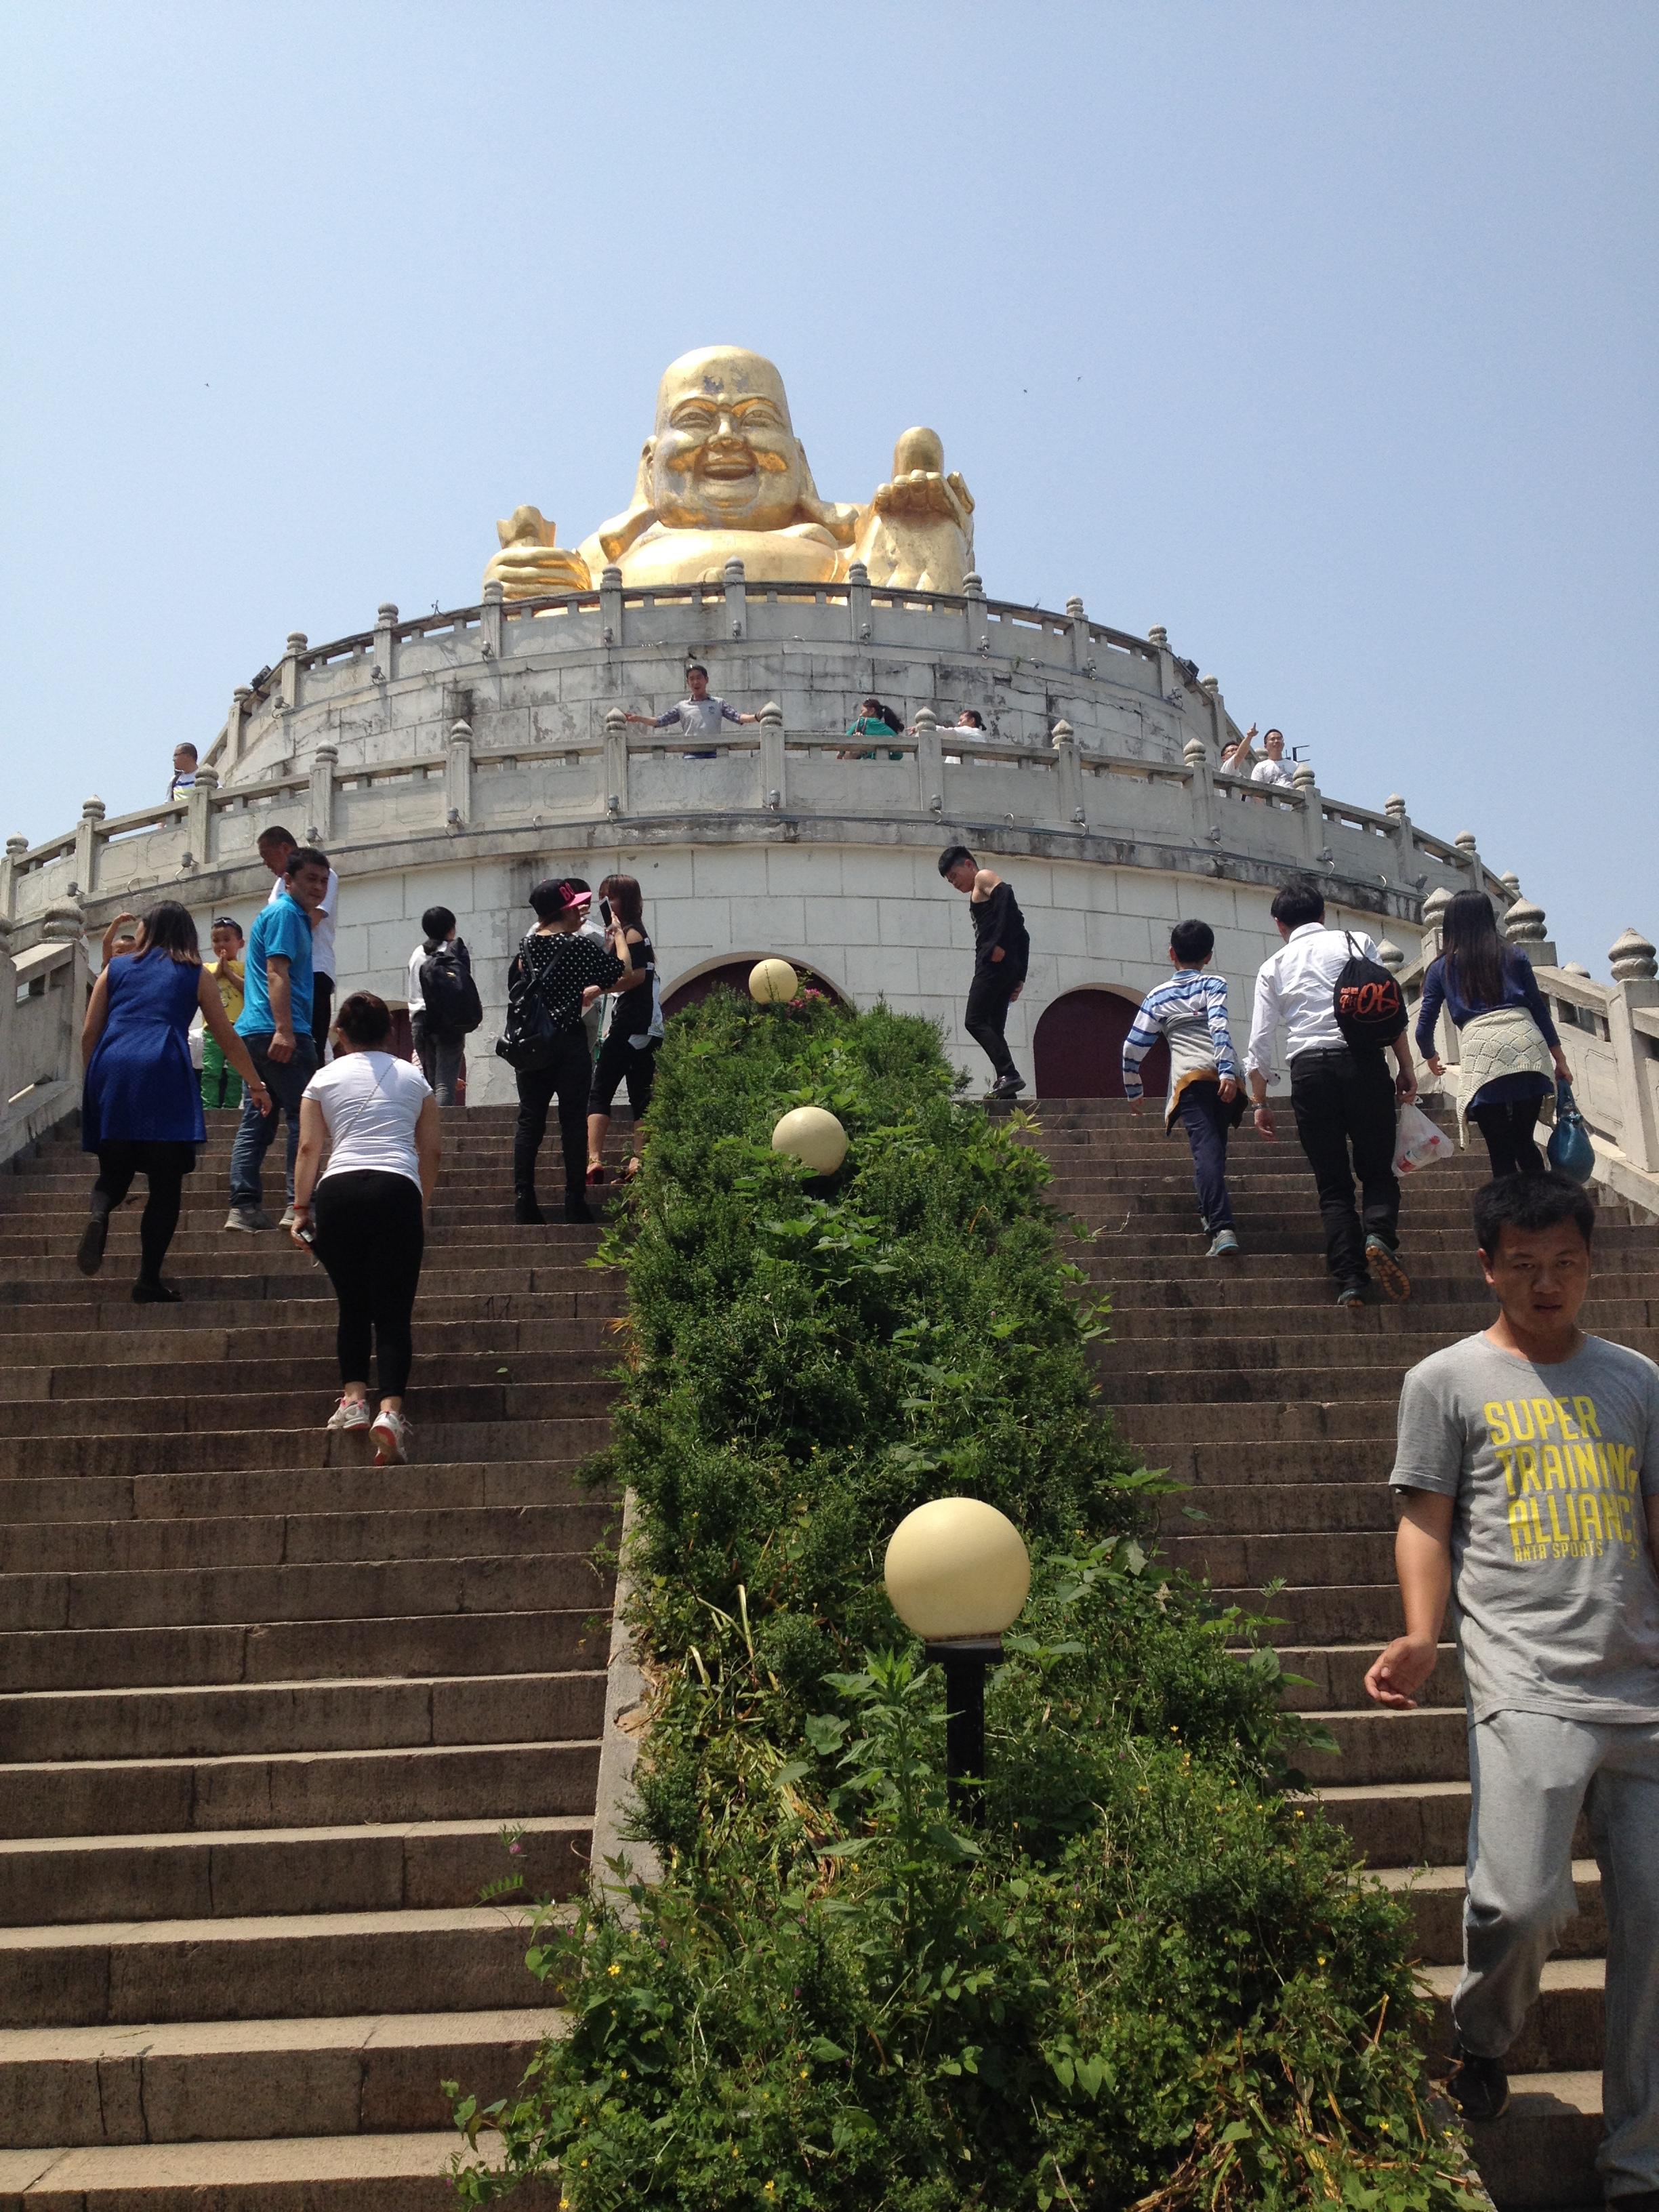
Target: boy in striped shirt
(1190, 1012)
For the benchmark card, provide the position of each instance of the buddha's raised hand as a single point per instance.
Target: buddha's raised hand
(530, 564)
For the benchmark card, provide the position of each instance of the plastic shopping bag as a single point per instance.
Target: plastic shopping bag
(1418, 1143)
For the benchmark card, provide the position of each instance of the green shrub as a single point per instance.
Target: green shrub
(1147, 1977)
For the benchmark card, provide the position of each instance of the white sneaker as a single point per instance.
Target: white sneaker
(287, 1219)
(391, 1434)
(250, 1218)
(349, 1413)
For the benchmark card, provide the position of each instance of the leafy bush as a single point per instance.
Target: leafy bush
(1146, 1976)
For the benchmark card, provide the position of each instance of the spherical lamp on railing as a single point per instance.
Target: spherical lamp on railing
(773, 982)
(813, 1136)
(957, 1574)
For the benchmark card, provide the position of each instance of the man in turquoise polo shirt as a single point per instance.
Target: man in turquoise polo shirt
(275, 1024)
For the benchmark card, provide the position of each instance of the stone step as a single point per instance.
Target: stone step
(1564, 2031)
(1411, 1824)
(1359, 1613)
(274, 1966)
(311, 1445)
(1349, 1416)
(256, 1492)
(1540, 2156)
(514, 1642)
(1334, 1676)
(574, 1352)
(195, 2081)
(1318, 1560)
(296, 1789)
(1428, 1745)
(120, 1330)
(1203, 1330)
(273, 1540)
(1435, 1895)
(1299, 1359)
(310, 2174)
(36, 1420)
(200, 1347)
(232, 1873)
(1243, 1509)
(208, 1721)
(321, 1590)
(1223, 1463)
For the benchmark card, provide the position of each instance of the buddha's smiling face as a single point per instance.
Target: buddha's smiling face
(724, 456)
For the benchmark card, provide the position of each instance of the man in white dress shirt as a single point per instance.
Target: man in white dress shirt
(1341, 1095)
(1272, 769)
(275, 846)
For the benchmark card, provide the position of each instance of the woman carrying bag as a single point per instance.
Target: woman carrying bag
(1509, 1053)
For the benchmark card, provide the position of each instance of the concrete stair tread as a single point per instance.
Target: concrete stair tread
(330, 1926)
(336, 2171)
(245, 1838)
(363, 2031)
(1441, 1879)
(1559, 1974)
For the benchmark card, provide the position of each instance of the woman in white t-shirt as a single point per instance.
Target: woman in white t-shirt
(365, 1214)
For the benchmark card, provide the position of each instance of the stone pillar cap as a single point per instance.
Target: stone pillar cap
(1632, 959)
(386, 612)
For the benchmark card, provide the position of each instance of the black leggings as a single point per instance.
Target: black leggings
(621, 1062)
(1508, 1129)
(989, 996)
(164, 1167)
(569, 1074)
(370, 1238)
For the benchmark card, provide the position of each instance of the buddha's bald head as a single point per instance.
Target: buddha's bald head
(725, 454)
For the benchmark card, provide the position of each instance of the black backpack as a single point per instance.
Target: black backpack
(453, 1007)
(1369, 1004)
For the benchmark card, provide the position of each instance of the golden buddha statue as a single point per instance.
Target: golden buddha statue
(724, 477)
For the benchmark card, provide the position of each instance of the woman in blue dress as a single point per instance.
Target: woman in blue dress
(1509, 1052)
(141, 1104)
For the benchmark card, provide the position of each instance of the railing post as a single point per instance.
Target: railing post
(198, 815)
(611, 606)
(1526, 926)
(236, 724)
(1211, 687)
(1158, 638)
(977, 632)
(773, 792)
(1200, 795)
(1469, 847)
(929, 762)
(1315, 843)
(1405, 838)
(1636, 983)
(287, 674)
(736, 599)
(384, 666)
(490, 622)
(858, 603)
(457, 775)
(16, 846)
(320, 828)
(1433, 921)
(1064, 741)
(1082, 650)
(86, 847)
(615, 761)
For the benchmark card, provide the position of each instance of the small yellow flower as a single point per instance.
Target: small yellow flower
(1321, 1962)
(613, 1968)
(770, 2190)
(623, 2075)
(564, 2205)
(805, 2072)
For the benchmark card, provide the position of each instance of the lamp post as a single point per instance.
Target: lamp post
(957, 1574)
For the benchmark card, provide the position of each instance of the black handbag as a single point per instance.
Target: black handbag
(531, 1038)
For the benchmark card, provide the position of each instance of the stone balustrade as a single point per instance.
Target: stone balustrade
(43, 997)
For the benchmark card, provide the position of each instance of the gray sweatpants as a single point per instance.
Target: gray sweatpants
(1530, 1774)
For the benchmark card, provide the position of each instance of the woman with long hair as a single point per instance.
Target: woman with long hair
(364, 1214)
(629, 1053)
(1509, 1052)
(141, 1104)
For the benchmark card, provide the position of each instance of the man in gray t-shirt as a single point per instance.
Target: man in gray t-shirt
(1528, 1466)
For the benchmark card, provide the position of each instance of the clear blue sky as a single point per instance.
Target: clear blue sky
(1322, 334)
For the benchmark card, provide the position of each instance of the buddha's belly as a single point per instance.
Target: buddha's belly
(806, 555)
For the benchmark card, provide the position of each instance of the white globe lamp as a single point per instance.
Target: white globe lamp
(773, 983)
(813, 1136)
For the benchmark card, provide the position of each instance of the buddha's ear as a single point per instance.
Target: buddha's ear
(841, 522)
(616, 535)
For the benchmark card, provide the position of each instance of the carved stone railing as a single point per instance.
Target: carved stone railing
(43, 1001)
(1609, 1032)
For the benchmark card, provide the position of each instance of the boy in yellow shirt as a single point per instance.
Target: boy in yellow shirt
(221, 1084)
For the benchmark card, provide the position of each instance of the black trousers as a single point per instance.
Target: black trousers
(1507, 1128)
(568, 1077)
(1341, 1100)
(164, 1167)
(986, 1017)
(370, 1237)
(621, 1062)
(322, 1008)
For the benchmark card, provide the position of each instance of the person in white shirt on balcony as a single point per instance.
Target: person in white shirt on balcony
(1341, 1095)
(1273, 768)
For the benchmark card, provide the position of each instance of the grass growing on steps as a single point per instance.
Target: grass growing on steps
(1149, 1979)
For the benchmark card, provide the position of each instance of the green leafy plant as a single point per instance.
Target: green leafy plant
(1150, 1978)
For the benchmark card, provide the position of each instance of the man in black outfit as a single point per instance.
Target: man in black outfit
(1341, 1095)
(1002, 952)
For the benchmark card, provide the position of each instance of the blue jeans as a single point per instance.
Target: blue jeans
(1206, 1122)
(285, 1079)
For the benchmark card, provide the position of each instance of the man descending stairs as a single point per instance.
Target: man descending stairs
(1240, 1376)
(266, 1710)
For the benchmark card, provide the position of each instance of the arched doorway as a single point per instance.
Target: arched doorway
(1077, 1049)
(733, 976)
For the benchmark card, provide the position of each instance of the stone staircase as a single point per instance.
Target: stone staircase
(265, 1709)
(1279, 1412)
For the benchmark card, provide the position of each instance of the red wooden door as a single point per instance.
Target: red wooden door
(1077, 1050)
(733, 976)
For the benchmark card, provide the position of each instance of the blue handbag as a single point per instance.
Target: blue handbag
(1570, 1151)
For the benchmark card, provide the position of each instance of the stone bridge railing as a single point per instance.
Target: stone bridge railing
(43, 998)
